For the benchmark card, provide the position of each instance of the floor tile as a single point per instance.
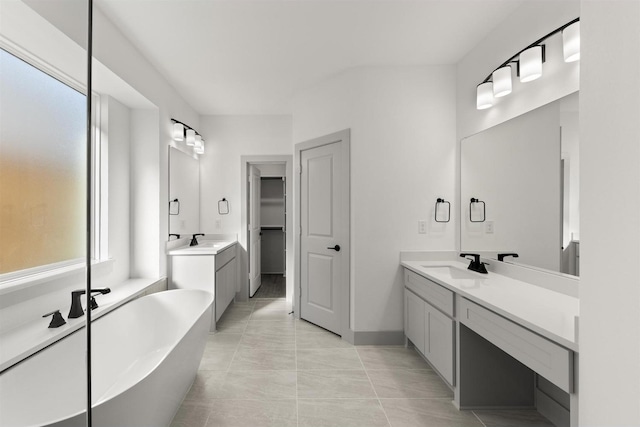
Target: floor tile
(321, 339)
(341, 413)
(231, 326)
(520, 418)
(327, 358)
(216, 360)
(427, 412)
(222, 341)
(409, 383)
(276, 304)
(191, 415)
(272, 327)
(334, 384)
(282, 341)
(263, 359)
(204, 386)
(271, 315)
(256, 385)
(254, 413)
(391, 358)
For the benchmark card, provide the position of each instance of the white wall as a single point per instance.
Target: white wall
(402, 123)
(116, 117)
(227, 139)
(610, 252)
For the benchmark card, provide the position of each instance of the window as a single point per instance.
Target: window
(42, 171)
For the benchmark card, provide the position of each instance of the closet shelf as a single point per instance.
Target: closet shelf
(272, 227)
(274, 200)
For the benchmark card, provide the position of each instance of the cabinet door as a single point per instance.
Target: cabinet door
(414, 319)
(220, 293)
(439, 342)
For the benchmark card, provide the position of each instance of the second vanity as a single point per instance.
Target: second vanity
(210, 266)
(487, 335)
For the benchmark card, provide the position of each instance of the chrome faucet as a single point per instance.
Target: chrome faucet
(194, 241)
(475, 265)
(76, 305)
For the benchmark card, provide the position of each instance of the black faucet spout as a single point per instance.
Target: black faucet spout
(475, 264)
(76, 305)
(194, 241)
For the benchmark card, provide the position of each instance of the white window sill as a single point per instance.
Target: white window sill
(29, 280)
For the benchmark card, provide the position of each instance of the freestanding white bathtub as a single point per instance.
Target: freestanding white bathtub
(145, 355)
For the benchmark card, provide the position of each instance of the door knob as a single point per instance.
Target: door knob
(335, 248)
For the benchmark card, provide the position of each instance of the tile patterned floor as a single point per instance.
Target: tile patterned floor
(264, 368)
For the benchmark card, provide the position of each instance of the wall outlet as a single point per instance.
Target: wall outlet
(422, 227)
(218, 224)
(488, 227)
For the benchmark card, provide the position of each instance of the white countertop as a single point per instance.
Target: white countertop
(204, 247)
(543, 311)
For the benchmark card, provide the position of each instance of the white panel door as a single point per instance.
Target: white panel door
(324, 236)
(255, 244)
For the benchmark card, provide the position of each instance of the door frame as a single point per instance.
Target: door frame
(242, 294)
(344, 138)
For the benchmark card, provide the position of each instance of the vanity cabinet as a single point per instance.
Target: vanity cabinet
(214, 272)
(427, 326)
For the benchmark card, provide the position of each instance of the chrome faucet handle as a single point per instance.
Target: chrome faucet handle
(57, 320)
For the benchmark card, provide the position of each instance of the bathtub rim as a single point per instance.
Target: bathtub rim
(107, 397)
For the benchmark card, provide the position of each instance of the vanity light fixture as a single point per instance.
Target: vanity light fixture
(184, 132)
(529, 65)
(571, 42)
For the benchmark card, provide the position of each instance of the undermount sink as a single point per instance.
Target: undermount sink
(451, 272)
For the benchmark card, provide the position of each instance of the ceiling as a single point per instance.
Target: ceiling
(251, 57)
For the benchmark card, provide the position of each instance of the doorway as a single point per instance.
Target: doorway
(267, 258)
(323, 218)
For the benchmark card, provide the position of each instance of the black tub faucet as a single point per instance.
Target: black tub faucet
(76, 305)
(502, 256)
(194, 241)
(475, 265)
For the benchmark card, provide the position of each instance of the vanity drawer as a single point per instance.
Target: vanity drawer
(438, 296)
(545, 357)
(225, 256)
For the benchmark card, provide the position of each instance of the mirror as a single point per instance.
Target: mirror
(523, 177)
(184, 193)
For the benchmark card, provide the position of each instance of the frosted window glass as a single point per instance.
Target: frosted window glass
(42, 168)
